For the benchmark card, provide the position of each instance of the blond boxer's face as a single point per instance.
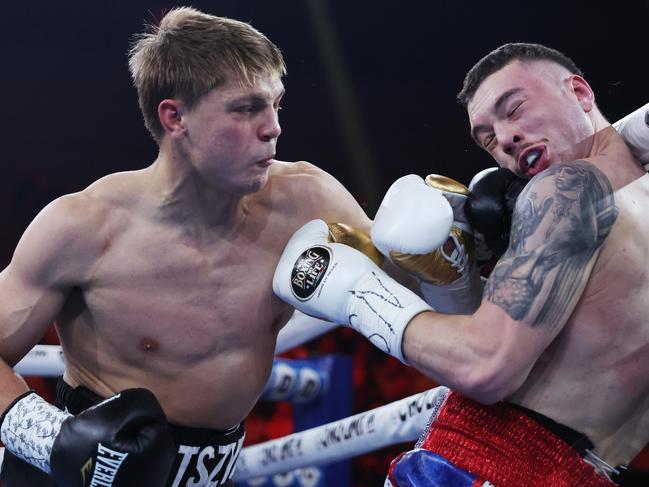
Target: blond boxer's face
(531, 115)
(232, 134)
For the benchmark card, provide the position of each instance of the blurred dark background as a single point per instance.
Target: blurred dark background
(371, 85)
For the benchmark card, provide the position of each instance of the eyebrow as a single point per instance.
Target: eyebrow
(502, 99)
(256, 97)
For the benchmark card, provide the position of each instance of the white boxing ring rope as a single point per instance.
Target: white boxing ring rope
(297, 383)
(42, 361)
(398, 422)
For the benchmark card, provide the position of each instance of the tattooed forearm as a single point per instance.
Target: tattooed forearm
(560, 221)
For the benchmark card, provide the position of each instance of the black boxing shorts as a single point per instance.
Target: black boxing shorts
(204, 456)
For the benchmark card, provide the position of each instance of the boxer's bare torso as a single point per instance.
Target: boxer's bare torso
(567, 302)
(185, 309)
(562, 328)
(593, 376)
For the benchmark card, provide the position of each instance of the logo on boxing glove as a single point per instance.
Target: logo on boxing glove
(106, 466)
(308, 271)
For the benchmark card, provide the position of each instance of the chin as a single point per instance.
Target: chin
(256, 184)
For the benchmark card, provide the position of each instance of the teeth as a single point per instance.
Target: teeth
(532, 157)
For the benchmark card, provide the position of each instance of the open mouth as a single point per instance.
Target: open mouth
(530, 159)
(533, 156)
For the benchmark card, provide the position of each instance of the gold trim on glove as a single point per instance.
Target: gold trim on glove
(446, 184)
(443, 266)
(358, 239)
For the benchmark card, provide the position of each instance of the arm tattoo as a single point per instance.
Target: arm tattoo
(560, 221)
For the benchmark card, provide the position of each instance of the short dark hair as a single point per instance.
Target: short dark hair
(505, 54)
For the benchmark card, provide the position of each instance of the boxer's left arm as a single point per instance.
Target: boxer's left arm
(560, 221)
(323, 197)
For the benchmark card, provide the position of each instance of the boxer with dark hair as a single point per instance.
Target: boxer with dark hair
(548, 371)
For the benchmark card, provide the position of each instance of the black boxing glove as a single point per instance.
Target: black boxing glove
(490, 205)
(122, 441)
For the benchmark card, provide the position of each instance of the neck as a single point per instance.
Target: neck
(602, 136)
(610, 153)
(185, 198)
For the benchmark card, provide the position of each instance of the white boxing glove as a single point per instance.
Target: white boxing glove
(412, 218)
(634, 129)
(426, 234)
(340, 284)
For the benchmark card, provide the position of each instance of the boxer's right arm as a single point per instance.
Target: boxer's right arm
(34, 285)
(122, 441)
(48, 260)
(56, 253)
(335, 282)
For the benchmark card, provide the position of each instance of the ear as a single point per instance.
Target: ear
(170, 113)
(582, 90)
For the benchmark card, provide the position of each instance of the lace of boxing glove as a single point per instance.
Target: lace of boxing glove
(335, 282)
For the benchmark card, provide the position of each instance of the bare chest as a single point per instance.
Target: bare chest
(165, 291)
(600, 356)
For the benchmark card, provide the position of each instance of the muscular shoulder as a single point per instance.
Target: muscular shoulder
(300, 176)
(561, 219)
(570, 176)
(68, 235)
(568, 194)
(313, 193)
(102, 204)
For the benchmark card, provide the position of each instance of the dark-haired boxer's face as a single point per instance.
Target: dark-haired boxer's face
(232, 134)
(531, 115)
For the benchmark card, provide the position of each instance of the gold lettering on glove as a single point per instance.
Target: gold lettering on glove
(86, 468)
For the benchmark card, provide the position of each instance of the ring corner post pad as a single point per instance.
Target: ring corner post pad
(336, 404)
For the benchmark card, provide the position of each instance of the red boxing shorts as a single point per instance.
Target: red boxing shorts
(475, 445)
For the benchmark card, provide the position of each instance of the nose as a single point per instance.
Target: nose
(510, 138)
(270, 128)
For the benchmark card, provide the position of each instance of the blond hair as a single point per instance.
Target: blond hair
(189, 53)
